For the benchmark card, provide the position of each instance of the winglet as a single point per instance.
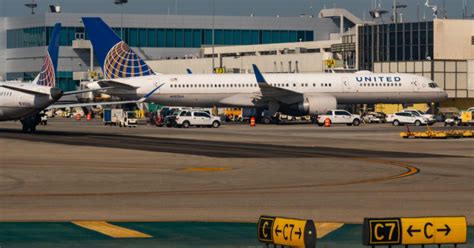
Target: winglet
(258, 75)
(189, 71)
(145, 97)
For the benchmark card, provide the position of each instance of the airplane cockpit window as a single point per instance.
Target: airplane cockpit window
(433, 85)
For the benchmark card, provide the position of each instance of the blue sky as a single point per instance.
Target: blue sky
(230, 7)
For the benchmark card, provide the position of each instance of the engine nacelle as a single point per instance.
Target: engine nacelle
(311, 105)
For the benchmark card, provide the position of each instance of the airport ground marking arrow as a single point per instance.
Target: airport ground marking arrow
(447, 230)
(277, 231)
(298, 233)
(410, 230)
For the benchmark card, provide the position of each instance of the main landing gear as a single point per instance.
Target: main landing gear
(30, 123)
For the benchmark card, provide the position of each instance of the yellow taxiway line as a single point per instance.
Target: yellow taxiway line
(110, 230)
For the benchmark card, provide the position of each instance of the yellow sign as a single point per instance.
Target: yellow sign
(285, 231)
(466, 116)
(414, 231)
(330, 63)
(436, 230)
(219, 70)
(381, 232)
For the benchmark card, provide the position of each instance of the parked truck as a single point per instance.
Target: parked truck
(112, 116)
(339, 116)
(118, 117)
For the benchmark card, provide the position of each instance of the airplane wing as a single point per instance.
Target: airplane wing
(270, 92)
(74, 105)
(116, 85)
(24, 90)
(75, 92)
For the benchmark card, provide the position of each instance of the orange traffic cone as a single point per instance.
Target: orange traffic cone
(327, 122)
(252, 121)
(89, 116)
(78, 117)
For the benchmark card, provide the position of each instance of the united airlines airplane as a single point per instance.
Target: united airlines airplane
(292, 94)
(23, 101)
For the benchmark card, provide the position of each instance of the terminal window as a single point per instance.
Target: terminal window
(160, 37)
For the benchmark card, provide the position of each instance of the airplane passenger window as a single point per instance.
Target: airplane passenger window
(329, 85)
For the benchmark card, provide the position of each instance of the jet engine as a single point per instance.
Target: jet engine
(311, 105)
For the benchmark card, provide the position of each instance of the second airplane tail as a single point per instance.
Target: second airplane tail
(47, 76)
(117, 59)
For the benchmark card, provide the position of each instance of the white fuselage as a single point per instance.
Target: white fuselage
(241, 90)
(15, 104)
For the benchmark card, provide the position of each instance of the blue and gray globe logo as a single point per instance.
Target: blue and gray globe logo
(47, 76)
(123, 62)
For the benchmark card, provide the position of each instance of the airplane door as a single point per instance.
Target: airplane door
(415, 85)
(346, 87)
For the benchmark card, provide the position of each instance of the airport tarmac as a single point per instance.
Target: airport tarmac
(78, 170)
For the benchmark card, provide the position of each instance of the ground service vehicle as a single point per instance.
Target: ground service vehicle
(402, 118)
(112, 116)
(467, 117)
(189, 118)
(452, 120)
(375, 117)
(44, 119)
(128, 119)
(339, 116)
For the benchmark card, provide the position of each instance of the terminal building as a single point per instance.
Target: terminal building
(442, 50)
(332, 41)
(154, 37)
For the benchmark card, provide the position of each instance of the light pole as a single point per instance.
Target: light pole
(32, 6)
(213, 38)
(121, 3)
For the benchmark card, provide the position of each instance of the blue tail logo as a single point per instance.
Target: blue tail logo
(117, 59)
(47, 76)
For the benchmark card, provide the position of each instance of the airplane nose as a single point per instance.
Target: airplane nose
(56, 93)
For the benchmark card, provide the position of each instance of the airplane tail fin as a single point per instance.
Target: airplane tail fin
(116, 58)
(47, 76)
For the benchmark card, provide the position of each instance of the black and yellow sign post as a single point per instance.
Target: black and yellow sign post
(414, 231)
(287, 232)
